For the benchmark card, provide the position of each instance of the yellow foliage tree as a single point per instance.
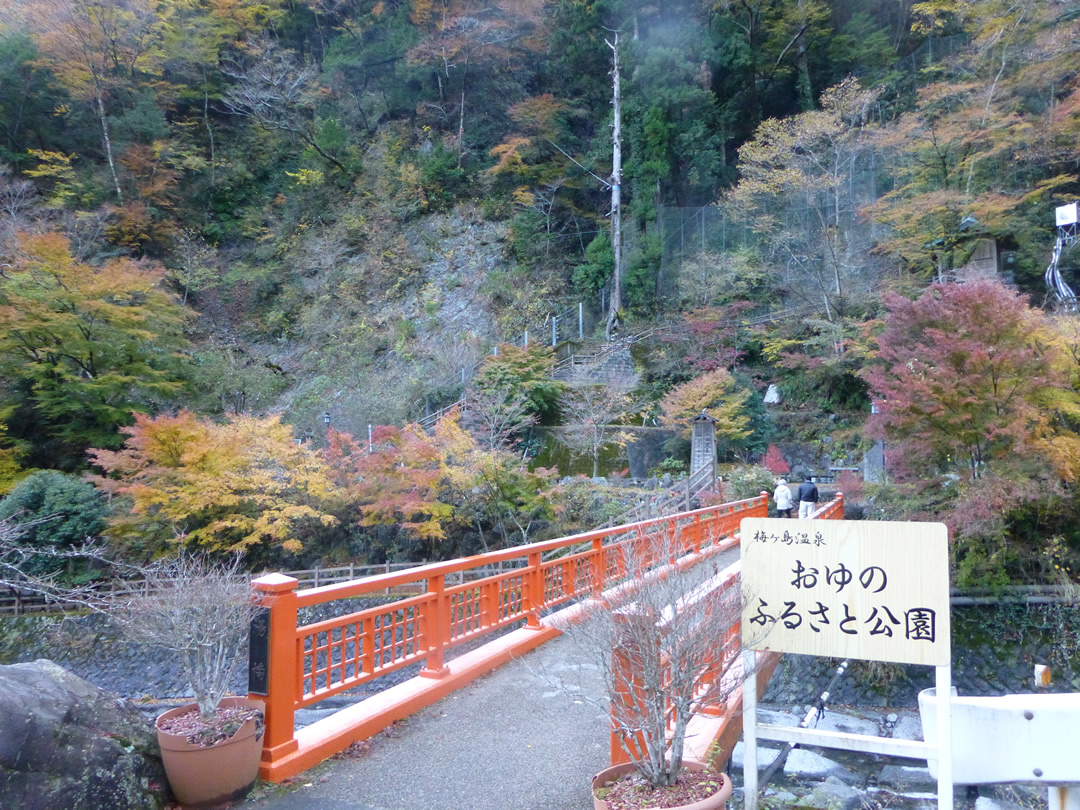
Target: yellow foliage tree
(229, 486)
(714, 393)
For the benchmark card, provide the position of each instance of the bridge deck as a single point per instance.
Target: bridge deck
(508, 740)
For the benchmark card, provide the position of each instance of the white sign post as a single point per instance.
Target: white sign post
(847, 589)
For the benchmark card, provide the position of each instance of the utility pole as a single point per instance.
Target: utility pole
(615, 304)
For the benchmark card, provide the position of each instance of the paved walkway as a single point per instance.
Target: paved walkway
(509, 740)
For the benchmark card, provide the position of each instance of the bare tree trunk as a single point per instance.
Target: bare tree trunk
(461, 128)
(210, 134)
(107, 141)
(615, 305)
(461, 113)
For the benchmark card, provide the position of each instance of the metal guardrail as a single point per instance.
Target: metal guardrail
(680, 496)
(567, 324)
(560, 368)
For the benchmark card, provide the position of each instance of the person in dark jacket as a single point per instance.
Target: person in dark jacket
(808, 498)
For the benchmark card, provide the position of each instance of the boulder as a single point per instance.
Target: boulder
(68, 744)
(803, 764)
(832, 794)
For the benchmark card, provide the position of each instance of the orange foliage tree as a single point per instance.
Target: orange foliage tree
(436, 487)
(397, 481)
(966, 382)
(233, 486)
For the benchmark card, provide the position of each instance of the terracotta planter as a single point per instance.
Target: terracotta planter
(207, 776)
(713, 802)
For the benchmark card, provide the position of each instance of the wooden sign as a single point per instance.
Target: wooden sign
(847, 589)
(259, 653)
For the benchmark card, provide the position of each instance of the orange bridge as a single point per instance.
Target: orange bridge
(493, 603)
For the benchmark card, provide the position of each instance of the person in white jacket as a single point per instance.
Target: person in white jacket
(782, 496)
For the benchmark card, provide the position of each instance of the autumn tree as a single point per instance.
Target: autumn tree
(523, 372)
(419, 494)
(93, 45)
(82, 346)
(466, 42)
(774, 461)
(718, 336)
(714, 393)
(233, 381)
(503, 499)
(397, 482)
(493, 490)
(973, 158)
(242, 485)
(823, 360)
(537, 166)
(195, 265)
(712, 278)
(199, 35)
(273, 88)
(963, 381)
(591, 406)
(17, 204)
(797, 190)
(497, 417)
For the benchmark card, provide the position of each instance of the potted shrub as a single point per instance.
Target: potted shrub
(192, 606)
(200, 611)
(665, 642)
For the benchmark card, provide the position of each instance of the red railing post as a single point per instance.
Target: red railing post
(435, 615)
(626, 678)
(278, 593)
(598, 567)
(532, 590)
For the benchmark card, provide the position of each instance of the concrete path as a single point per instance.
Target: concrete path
(509, 740)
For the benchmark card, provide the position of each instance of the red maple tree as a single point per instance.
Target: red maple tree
(774, 461)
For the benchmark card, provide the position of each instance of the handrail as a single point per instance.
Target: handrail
(681, 492)
(726, 727)
(309, 663)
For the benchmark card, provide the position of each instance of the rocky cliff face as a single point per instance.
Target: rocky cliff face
(370, 350)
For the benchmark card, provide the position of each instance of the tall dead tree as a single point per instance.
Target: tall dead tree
(616, 195)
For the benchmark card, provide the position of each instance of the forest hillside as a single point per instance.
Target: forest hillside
(247, 245)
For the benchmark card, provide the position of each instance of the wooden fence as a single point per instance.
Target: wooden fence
(14, 602)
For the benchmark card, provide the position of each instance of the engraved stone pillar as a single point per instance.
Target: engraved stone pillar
(702, 442)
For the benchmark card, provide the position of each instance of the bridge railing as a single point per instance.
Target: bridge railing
(312, 662)
(717, 726)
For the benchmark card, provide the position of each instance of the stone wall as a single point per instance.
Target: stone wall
(995, 649)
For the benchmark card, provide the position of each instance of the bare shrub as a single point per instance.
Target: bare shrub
(198, 608)
(194, 606)
(664, 642)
